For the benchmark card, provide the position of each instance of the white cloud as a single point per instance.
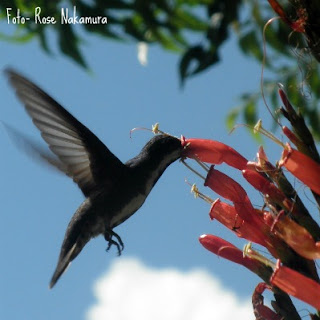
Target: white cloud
(131, 290)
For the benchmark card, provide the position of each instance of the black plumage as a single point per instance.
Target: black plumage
(113, 190)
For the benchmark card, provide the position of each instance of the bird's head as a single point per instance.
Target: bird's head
(161, 148)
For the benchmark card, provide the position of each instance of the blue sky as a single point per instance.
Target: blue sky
(37, 204)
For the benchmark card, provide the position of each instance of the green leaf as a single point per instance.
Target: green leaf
(187, 20)
(166, 41)
(43, 40)
(232, 117)
(68, 43)
(250, 115)
(17, 38)
(193, 54)
(250, 45)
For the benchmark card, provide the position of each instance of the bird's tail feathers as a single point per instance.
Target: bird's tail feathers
(62, 265)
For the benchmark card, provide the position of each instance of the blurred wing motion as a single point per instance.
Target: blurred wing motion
(83, 156)
(34, 150)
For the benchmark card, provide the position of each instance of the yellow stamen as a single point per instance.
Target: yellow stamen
(259, 128)
(195, 190)
(155, 128)
(252, 254)
(198, 194)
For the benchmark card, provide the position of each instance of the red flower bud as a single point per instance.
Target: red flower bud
(291, 136)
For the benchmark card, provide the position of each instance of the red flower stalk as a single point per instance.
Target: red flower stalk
(296, 236)
(260, 310)
(302, 167)
(227, 250)
(297, 285)
(228, 216)
(214, 152)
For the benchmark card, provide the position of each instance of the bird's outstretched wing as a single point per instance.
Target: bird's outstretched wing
(84, 157)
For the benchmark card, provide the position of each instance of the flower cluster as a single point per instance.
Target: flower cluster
(283, 225)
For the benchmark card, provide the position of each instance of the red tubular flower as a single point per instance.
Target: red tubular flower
(214, 152)
(231, 190)
(228, 216)
(227, 188)
(262, 184)
(266, 187)
(227, 250)
(297, 285)
(296, 236)
(254, 222)
(302, 167)
(225, 214)
(260, 310)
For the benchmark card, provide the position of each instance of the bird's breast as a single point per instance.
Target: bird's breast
(137, 189)
(128, 209)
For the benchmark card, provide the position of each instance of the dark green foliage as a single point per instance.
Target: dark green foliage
(196, 30)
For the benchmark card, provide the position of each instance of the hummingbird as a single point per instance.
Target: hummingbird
(113, 190)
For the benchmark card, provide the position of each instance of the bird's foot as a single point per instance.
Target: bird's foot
(119, 244)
